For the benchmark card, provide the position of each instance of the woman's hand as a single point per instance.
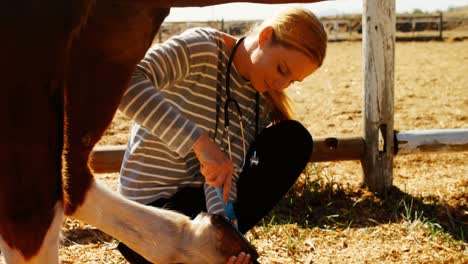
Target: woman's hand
(214, 165)
(242, 258)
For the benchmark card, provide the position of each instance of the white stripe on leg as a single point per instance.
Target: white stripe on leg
(161, 236)
(48, 253)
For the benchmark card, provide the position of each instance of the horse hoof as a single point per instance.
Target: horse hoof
(231, 241)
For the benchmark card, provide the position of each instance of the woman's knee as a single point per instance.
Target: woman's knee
(294, 136)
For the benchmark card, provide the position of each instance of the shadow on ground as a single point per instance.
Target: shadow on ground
(330, 205)
(84, 236)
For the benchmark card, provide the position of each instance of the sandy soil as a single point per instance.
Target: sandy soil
(431, 91)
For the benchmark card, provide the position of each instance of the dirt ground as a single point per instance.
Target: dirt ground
(328, 217)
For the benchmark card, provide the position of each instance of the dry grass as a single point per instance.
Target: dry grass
(328, 217)
(324, 221)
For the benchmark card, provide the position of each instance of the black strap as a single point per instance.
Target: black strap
(228, 90)
(228, 68)
(228, 94)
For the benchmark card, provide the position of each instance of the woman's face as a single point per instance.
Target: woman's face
(275, 67)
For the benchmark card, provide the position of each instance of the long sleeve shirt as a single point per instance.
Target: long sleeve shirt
(172, 99)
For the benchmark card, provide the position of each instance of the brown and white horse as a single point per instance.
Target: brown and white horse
(64, 66)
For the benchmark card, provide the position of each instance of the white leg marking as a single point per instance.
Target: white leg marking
(161, 236)
(48, 253)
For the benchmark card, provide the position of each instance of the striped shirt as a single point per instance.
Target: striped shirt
(172, 99)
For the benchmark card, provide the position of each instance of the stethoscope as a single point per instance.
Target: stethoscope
(230, 101)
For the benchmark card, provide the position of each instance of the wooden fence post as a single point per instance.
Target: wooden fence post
(441, 26)
(378, 22)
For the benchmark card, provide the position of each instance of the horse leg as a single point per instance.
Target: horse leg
(36, 37)
(48, 249)
(102, 60)
(30, 195)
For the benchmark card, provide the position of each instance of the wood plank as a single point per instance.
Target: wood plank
(436, 140)
(378, 21)
(109, 158)
(105, 159)
(337, 149)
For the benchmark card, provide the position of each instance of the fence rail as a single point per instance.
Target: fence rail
(437, 140)
(109, 158)
(339, 28)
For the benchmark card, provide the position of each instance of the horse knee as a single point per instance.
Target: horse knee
(77, 177)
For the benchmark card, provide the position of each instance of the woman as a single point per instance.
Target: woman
(201, 100)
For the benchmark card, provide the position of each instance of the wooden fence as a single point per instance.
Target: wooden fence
(409, 27)
(343, 28)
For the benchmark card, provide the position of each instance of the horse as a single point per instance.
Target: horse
(64, 67)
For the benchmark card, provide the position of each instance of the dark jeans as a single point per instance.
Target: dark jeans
(283, 151)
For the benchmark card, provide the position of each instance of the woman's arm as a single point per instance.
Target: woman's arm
(215, 166)
(143, 102)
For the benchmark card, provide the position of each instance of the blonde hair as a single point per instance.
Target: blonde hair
(300, 29)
